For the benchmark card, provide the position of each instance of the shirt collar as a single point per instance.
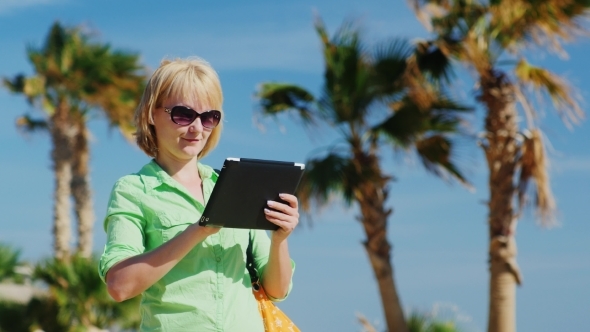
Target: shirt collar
(153, 175)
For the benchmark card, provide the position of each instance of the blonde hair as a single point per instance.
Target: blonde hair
(184, 78)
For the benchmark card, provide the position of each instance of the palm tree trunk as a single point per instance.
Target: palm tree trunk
(502, 152)
(81, 192)
(61, 156)
(371, 197)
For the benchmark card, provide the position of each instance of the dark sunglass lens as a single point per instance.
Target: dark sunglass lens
(183, 115)
(210, 119)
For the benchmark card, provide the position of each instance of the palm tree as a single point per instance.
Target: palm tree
(485, 35)
(79, 298)
(375, 101)
(9, 263)
(420, 322)
(73, 298)
(73, 78)
(417, 322)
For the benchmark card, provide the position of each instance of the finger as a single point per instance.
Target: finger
(284, 225)
(285, 218)
(290, 199)
(284, 208)
(280, 215)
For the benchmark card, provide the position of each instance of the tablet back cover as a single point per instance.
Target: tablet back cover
(243, 188)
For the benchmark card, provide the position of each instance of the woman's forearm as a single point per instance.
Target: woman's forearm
(278, 271)
(134, 275)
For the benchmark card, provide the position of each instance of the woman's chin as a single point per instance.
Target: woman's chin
(191, 152)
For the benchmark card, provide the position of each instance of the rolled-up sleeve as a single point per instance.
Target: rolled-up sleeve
(124, 225)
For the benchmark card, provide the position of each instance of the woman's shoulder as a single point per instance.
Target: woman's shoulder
(132, 180)
(129, 186)
(137, 179)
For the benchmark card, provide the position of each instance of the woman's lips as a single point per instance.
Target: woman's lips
(191, 139)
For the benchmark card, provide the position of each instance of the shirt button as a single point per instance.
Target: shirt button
(220, 296)
(218, 259)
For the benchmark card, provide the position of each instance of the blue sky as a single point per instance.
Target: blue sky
(438, 230)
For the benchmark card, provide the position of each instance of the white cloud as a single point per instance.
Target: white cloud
(9, 5)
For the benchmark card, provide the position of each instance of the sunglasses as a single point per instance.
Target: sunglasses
(184, 116)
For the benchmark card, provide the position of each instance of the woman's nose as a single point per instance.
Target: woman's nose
(196, 126)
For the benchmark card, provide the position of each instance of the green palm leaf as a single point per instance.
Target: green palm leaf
(390, 64)
(331, 174)
(29, 125)
(409, 121)
(9, 261)
(418, 322)
(16, 84)
(435, 153)
(277, 98)
(81, 296)
(404, 125)
(347, 85)
(433, 62)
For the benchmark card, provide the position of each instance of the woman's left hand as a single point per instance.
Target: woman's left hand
(286, 216)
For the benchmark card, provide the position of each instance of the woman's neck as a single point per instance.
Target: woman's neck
(183, 171)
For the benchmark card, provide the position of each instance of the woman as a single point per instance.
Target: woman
(191, 278)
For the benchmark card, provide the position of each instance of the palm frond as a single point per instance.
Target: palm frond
(32, 88)
(117, 87)
(409, 121)
(435, 153)
(367, 326)
(16, 84)
(406, 123)
(331, 174)
(561, 94)
(420, 322)
(30, 125)
(81, 297)
(87, 75)
(390, 70)
(346, 93)
(533, 166)
(433, 62)
(9, 261)
(356, 80)
(545, 23)
(447, 115)
(454, 19)
(428, 10)
(389, 65)
(277, 98)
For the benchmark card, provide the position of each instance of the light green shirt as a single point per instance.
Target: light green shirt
(210, 288)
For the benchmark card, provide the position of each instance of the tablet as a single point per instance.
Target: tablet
(243, 188)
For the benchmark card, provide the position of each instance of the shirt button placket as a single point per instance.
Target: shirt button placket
(218, 252)
(219, 278)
